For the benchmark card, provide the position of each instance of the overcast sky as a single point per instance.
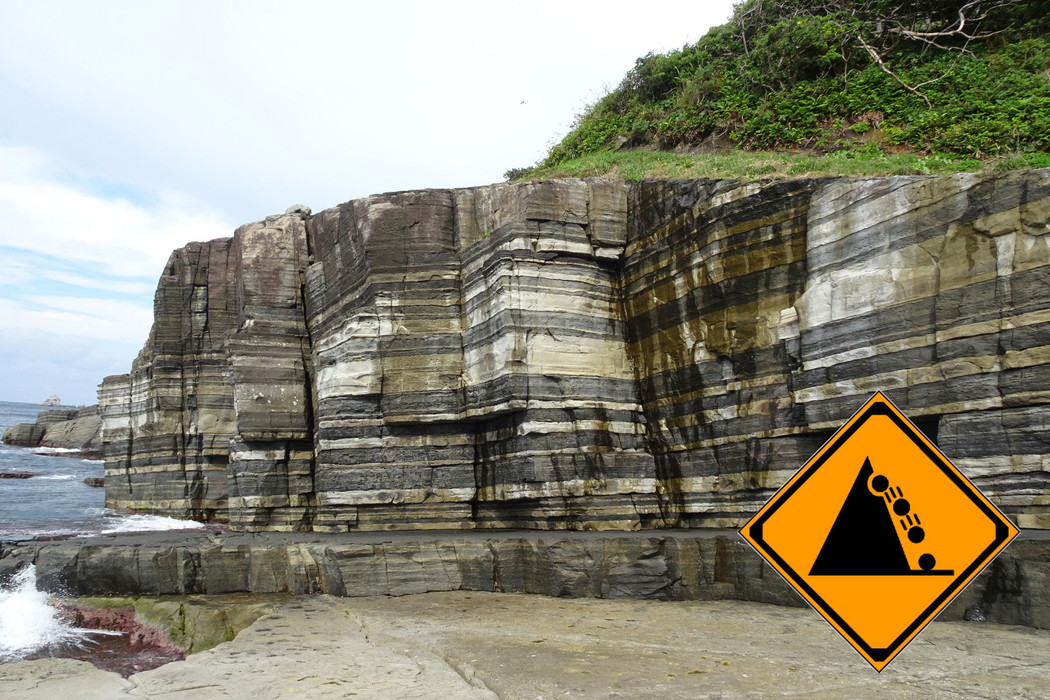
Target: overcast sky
(131, 128)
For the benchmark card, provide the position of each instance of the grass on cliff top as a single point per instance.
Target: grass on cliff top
(794, 74)
(754, 165)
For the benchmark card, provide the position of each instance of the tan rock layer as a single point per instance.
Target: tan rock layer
(586, 354)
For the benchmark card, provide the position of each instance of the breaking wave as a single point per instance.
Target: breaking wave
(117, 522)
(29, 625)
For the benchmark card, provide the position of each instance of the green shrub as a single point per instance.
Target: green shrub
(788, 74)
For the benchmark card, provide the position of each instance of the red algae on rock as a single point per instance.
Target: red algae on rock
(139, 647)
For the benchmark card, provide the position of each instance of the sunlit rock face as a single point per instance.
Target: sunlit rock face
(937, 289)
(471, 365)
(586, 354)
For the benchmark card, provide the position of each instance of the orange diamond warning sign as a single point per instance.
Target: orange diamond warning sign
(879, 531)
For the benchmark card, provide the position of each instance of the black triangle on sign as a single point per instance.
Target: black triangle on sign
(863, 540)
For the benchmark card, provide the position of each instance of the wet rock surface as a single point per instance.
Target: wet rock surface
(486, 645)
(136, 647)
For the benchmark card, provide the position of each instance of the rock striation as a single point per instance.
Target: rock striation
(214, 421)
(74, 429)
(586, 354)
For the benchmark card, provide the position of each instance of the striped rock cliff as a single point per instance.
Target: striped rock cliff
(586, 354)
(213, 422)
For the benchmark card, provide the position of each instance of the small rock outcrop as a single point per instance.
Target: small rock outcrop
(63, 428)
(24, 435)
(586, 354)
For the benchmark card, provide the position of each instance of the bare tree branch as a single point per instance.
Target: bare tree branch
(966, 27)
(959, 28)
(878, 59)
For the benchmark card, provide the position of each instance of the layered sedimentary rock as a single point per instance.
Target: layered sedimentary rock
(167, 426)
(81, 432)
(213, 422)
(66, 428)
(586, 354)
(24, 435)
(31, 434)
(470, 361)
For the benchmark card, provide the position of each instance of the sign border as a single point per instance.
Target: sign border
(879, 405)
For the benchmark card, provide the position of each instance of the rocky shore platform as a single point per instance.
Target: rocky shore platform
(654, 564)
(476, 646)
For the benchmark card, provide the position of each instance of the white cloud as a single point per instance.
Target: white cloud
(16, 272)
(24, 269)
(258, 105)
(45, 215)
(38, 364)
(77, 272)
(100, 319)
(131, 128)
(141, 289)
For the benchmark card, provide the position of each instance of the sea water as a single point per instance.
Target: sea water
(30, 626)
(55, 501)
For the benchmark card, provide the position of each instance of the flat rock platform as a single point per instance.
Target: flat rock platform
(474, 645)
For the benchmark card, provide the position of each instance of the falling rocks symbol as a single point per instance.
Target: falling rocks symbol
(863, 541)
(878, 531)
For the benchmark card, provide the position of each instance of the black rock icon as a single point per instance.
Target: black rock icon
(863, 541)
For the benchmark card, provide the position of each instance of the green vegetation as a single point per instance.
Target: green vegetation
(753, 165)
(742, 165)
(861, 88)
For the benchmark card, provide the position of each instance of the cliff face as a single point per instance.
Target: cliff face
(214, 420)
(586, 354)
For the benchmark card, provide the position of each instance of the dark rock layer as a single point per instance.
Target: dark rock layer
(586, 354)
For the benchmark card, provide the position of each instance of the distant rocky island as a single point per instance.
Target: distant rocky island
(585, 354)
(52, 400)
(63, 428)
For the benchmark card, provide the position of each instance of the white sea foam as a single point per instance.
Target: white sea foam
(56, 477)
(56, 451)
(29, 624)
(146, 523)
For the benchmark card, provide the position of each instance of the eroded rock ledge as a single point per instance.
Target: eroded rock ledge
(665, 565)
(586, 354)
